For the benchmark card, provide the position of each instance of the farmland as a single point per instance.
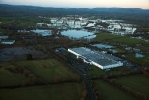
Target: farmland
(9, 78)
(48, 69)
(120, 39)
(39, 66)
(109, 92)
(65, 91)
(137, 82)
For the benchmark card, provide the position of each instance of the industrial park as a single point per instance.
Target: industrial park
(51, 53)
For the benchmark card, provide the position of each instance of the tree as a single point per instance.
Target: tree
(29, 56)
(56, 80)
(26, 73)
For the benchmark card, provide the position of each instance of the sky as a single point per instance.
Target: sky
(144, 4)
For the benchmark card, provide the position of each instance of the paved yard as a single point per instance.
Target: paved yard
(7, 54)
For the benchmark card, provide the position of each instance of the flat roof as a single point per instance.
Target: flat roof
(101, 58)
(7, 40)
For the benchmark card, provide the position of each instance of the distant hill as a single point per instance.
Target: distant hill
(129, 14)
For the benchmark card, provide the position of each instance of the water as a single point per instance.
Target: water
(139, 55)
(114, 51)
(90, 37)
(103, 46)
(43, 32)
(78, 34)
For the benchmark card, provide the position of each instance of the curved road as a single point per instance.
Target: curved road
(89, 89)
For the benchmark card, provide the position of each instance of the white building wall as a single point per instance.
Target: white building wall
(118, 64)
(99, 66)
(113, 65)
(74, 53)
(8, 42)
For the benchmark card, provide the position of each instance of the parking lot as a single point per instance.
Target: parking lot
(7, 54)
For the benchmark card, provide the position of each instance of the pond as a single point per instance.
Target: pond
(113, 51)
(139, 55)
(103, 46)
(78, 34)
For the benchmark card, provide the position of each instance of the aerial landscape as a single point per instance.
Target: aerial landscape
(74, 50)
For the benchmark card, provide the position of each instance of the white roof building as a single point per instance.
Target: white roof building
(7, 41)
(99, 59)
(4, 37)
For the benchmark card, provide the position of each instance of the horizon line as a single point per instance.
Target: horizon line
(74, 7)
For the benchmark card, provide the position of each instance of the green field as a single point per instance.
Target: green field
(140, 60)
(143, 48)
(2, 31)
(120, 50)
(119, 39)
(17, 42)
(23, 21)
(138, 83)
(110, 92)
(67, 91)
(129, 41)
(48, 69)
(103, 36)
(97, 71)
(8, 78)
(118, 70)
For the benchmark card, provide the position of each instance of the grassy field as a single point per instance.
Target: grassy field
(119, 50)
(119, 39)
(129, 41)
(143, 48)
(48, 69)
(140, 60)
(97, 71)
(103, 36)
(117, 70)
(110, 92)
(138, 83)
(23, 21)
(7, 78)
(17, 42)
(67, 91)
(2, 31)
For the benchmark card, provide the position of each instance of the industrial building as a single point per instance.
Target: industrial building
(98, 58)
(7, 41)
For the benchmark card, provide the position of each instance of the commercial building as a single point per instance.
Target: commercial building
(99, 59)
(3, 37)
(7, 41)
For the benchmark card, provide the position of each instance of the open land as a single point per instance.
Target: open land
(110, 92)
(48, 69)
(38, 65)
(54, 92)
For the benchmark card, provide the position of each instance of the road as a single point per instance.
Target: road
(89, 89)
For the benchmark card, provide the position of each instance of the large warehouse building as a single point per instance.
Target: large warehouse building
(99, 59)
